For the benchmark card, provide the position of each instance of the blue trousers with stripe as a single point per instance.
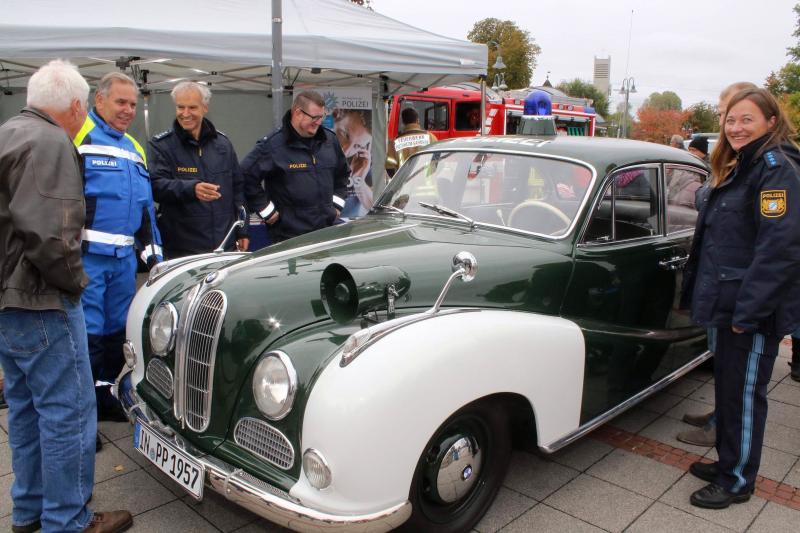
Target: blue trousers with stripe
(105, 300)
(742, 368)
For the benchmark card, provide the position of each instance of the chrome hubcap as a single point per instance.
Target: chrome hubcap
(459, 468)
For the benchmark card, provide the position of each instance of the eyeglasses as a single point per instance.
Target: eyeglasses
(314, 118)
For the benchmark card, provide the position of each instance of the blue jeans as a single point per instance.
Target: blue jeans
(52, 417)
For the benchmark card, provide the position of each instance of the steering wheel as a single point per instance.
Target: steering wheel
(552, 210)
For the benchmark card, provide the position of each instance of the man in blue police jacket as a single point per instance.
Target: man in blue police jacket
(196, 179)
(119, 218)
(296, 177)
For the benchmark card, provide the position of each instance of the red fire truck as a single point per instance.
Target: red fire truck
(454, 111)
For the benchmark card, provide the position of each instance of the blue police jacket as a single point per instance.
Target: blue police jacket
(119, 202)
(744, 266)
(178, 162)
(305, 180)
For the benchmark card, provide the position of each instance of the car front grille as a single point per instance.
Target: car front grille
(160, 377)
(198, 355)
(265, 441)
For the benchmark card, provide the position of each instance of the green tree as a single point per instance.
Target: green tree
(794, 51)
(786, 80)
(578, 88)
(785, 83)
(703, 117)
(516, 46)
(667, 100)
(616, 119)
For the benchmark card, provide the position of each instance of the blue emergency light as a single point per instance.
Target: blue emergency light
(538, 103)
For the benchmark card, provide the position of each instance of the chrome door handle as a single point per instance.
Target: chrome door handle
(674, 263)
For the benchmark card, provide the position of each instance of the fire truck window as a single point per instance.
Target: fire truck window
(468, 116)
(433, 116)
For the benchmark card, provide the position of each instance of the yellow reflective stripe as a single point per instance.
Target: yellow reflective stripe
(88, 126)
(138, 148)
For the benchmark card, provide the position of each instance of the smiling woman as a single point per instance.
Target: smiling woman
(741, 281)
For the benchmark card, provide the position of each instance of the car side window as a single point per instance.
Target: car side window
(628, 208)
(682, 186)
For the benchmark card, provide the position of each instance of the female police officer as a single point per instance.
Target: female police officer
(743, 279)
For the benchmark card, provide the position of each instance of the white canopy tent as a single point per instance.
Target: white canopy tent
(227, 43)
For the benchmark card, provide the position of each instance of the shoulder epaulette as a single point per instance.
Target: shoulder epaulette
(159, 136)
(772, 158)
(271, 134)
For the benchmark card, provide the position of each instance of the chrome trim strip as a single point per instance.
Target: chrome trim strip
(261, 498)
(379, 331)
(624, 406)
(164, 267)
(178, 406)
(325, 245)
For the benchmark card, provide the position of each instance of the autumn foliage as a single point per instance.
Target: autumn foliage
(658, 125)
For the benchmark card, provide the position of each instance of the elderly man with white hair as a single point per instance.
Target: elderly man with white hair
(196, 179)
(43, 351)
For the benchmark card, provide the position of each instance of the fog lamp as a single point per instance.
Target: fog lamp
(316, 469)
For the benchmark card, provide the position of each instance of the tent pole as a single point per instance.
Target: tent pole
(277, 63)
(483, 105)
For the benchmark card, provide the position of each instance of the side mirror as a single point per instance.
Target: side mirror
(465, 267)
(466, 264)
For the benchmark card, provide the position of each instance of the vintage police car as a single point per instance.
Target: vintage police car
(373, 375)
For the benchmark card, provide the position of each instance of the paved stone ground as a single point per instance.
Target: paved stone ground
(629, 475)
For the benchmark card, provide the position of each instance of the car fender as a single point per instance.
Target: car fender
(372, 418)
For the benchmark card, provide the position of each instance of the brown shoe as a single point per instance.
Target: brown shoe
(706, 436)
(698, 420)
(110, 522)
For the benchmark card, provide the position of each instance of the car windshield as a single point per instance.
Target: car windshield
(529, 193)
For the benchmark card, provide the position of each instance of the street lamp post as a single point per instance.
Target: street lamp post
(498, 84)
(499, 77)
(628, 87)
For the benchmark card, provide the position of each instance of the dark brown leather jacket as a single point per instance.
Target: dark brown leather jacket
(42, 212)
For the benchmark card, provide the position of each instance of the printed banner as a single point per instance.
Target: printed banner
(349, 112)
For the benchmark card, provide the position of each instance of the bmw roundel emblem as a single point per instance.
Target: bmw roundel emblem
(211, 277)
(466, 473)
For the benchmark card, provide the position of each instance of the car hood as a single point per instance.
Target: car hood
(280, 289)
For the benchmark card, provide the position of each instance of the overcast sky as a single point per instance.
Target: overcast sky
(694, 47)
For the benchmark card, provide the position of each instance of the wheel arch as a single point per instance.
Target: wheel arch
(395, 394)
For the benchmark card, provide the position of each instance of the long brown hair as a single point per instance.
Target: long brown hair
(723, 160)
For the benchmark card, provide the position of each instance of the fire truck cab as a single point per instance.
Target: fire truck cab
(454, 111)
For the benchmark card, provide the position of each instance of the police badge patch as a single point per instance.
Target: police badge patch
(773, 203)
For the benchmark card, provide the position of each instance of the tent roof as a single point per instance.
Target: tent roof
(228, 43)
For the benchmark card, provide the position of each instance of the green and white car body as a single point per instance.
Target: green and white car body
(375, 374)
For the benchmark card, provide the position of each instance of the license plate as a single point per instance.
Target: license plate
(184, 470)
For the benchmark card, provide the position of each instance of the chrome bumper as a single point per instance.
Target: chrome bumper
(250, 492)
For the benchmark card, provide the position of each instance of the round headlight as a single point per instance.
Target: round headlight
(274, 385)
(162, 328)
(316, 469)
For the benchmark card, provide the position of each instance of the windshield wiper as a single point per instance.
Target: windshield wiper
(442, 210)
